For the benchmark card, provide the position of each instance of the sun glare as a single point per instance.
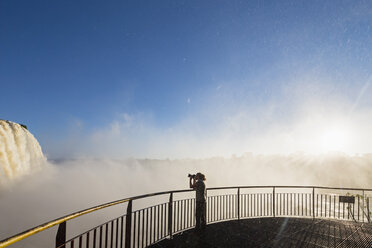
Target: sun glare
(336, 138)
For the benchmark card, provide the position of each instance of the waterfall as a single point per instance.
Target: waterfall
(20, 152)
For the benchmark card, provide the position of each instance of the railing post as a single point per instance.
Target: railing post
(274, 202)
(363, 206)
(238, 203)
(128, 225)
(61, 235)
(369, 219)
(170, 215)
(313, 202)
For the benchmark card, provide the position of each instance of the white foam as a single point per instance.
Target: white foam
(20, 152)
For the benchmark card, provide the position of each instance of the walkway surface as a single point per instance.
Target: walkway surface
(276, 232)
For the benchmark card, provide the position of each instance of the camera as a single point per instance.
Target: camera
(191, 175)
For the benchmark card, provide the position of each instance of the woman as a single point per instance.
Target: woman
(197, 183)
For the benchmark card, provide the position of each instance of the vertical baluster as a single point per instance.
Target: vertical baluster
(260, 204)
(187, 212)
(106, 235)
(251, 205)
(226, 206)
(87, 241)
(139, 226)
(334, 206)
(242, 209)
(266, 204)
(246, 205)
(112, 234)
(343, 210)
(148, 227)
(212, 209)
(134, 228)
(302, 204)
(223, 208)
(170, 215)
(155, 221)
(158, 229)
(143, 229)
(161, 221)
(72, 243)
(274, 202)
(363, 199)
(209, 199)
(178, 216)
(291, 204)
(282, 212)
(238, 204)
(314, 202)
(184, 214)
(215, 203)
(100, 236)
(218, 208)
(165, 221)
(369, 219)
(80, 241)
(255, 205)
(94, 237)
(358, 207)
(329, 203)
(117, 233)
(281, 204)
(287, 200)
(150, 230)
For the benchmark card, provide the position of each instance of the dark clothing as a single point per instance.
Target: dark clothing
(201, 197)
(200, 215)
(201, 192)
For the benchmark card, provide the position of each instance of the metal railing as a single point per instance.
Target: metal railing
(142, 227)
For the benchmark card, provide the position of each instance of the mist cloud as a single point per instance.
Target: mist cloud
(296, 118)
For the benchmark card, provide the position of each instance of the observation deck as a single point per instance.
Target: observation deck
(241, 216)
(275, 232)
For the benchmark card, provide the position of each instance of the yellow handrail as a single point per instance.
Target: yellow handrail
(18, 237)
(47, 225)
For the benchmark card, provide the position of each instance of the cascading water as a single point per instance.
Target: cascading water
(20, 153)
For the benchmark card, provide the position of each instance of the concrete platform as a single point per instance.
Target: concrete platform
(276, 232)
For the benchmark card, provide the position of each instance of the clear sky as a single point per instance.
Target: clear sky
(184, 78)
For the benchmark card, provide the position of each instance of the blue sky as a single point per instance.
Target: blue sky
(140, 70)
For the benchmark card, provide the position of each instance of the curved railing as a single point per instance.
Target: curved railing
(143, 227)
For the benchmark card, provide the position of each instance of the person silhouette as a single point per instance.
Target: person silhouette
(197, 183)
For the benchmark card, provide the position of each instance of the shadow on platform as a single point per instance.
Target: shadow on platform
(276, 232)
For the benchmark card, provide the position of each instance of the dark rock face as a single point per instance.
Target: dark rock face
(22, 125)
